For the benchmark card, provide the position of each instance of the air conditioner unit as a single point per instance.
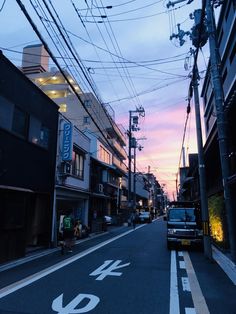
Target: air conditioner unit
(100, 188)
(65, 168)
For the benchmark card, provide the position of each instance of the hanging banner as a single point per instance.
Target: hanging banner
(67, 142)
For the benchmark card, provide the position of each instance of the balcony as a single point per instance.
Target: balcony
(120, 165)
(116, 132)
(118, 148)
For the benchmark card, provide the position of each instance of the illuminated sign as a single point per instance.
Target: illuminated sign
(67, 142)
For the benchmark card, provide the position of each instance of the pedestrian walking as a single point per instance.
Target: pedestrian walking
(68, 233)
(78, 230)
(134, 219)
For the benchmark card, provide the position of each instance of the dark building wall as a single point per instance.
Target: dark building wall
(226, 31)
(28, 141)
(24, 163)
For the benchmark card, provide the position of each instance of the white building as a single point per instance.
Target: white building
(89, 116)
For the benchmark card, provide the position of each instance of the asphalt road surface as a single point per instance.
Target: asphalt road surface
(124, 271)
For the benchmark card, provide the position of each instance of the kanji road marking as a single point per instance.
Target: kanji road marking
(102, 271)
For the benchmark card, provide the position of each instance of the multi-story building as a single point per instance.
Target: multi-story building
(91, 117)
(28, 142)
(72, 176)
(142, 190)
(226, 31)
(189, 180)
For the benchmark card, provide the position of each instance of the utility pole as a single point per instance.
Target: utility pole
(129, 163)
(201, 168)
(135, 145)
(221, 123)
(133, 126)
(134, 174)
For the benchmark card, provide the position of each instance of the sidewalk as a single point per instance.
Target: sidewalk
(30, 256)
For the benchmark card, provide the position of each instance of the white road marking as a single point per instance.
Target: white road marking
(101, 272)
(182, 265)
(185, 284)
(190, 310)
(198, 298)
(43, 273)
(180, 253)
(174, 294)
(72, 307)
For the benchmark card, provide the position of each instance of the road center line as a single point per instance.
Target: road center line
(174, 294)
(198, 298)
(30, 279)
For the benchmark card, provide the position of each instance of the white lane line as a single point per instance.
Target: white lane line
(198, 298)
(174, 294)
(182, 265)
(180, 253)
(185, 284)
(190, 310)
(30, 279)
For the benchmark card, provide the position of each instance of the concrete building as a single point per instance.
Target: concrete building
(73, 173)
(97, 122)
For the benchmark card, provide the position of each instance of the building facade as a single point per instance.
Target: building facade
(226, 34)
(28, 142)
(72, 174)
(96, 121)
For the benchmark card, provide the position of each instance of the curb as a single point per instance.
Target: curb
(225, 263)
(36, 255)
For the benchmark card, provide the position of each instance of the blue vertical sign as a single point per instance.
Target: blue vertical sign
(67, 142)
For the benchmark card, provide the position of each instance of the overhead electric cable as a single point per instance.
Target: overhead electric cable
(93, 45)
(132, 19)
(103, 38)
(59, 67)
(125, 68)
(2, 6)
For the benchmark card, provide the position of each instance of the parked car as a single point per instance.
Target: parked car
(144, 217)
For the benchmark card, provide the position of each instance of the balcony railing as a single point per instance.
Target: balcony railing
(119, 149)
(120, 165)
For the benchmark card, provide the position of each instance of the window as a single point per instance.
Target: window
(86, 120)
(233, 53)
(104, 155)
(220, 36)
(38, 133)
(63, 108)
(88, 103)
(77, 163)
(6, 113)
(224, 75)
(227, 11)
(20, 122)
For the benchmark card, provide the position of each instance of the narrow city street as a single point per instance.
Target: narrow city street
(118, 272)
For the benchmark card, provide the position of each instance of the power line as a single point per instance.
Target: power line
(2, 6)
(60, 69)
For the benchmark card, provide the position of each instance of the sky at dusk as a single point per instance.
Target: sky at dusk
(130, 59)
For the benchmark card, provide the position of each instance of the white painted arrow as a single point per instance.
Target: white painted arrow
(109, 271)
(70, 308)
